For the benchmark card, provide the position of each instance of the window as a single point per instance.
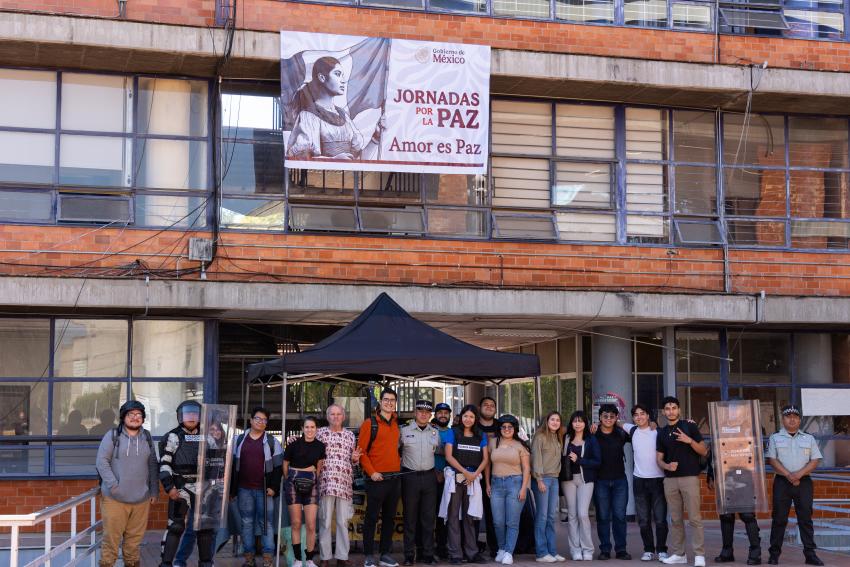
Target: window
(645, 13)
(585, 11)
(168, 349)
(521, 8)
(90, 348)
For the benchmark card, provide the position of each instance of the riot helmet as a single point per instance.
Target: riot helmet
(131, 405)
(189, 408)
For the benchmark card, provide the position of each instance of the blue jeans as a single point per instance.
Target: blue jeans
(504, 501)
(251, 504)
(546, 516)
(611, 497)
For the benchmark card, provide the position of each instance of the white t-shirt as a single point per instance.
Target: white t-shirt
(643, 446)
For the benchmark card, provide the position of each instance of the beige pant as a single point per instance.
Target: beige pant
(682, 494)
(127, 521)
(343, 513)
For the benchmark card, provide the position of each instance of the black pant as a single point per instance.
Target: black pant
(380, 496)
(492, 542)
(727, 531)
(802, 495)
(651, 508)
(419, 494)
(178, 511)
(440, 532)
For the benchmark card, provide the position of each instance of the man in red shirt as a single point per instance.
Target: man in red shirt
(379, 456)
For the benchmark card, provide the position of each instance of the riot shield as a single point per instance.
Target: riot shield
(737, 456)
(215, 453)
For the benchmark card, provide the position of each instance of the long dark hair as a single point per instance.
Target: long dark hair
(305, 97)
(508, 418)
(571, 432)
(460, 428)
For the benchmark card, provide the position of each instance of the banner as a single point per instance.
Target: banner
(378, 104)
(738, 456)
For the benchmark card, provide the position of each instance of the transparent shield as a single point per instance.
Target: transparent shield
(215, 454)
(738, 455)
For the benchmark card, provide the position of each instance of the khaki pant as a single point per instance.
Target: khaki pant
(682, 493)
(344, 513)
(127, 521)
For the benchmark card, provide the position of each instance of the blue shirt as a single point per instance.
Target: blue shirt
(440, 456)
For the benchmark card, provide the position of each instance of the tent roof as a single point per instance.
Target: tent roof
(385, 339)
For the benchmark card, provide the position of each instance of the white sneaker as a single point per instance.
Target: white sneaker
(662, 556)
(546, 559)
(296, 563)
(587, 556)
(560, 558)
(499, 555)
(647, 556)
(310, 563)
(577, 557)
(507, 559)
(676, 560)
(699, 561)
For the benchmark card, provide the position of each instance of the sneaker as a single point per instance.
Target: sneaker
(560, 558)
(699, 561)
(507, 559)
(603, 556)
(546, 559)
(368, 562)
(625, 556)
(773, 560)
(480, 558)
(587, 556)
(647, 556)
(577, 557)
(813, 559)
(662, 556)
(675, 560)
(388, 561)
(500, 555)
(297, 563)
(310, 563)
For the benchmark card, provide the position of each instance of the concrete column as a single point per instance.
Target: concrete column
(669, 366)
(612, 373)
(813, 365)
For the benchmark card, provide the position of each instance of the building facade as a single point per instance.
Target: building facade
(666, 210)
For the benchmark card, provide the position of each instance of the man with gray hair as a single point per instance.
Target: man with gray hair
(336, 486)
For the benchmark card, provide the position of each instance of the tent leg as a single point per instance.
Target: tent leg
(280, 496)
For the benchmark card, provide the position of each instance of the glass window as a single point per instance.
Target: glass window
(25, 460)
(27, 99)
(26, 206)
(692, 16)
(27, 157)
(390, 187)
(252, 168)
(646, 187)
(172, 107)
(755, 233)
(582, 184)
(697, 232)
(79, 406)
(171, 211)
(695, 401)
(696, 190)
(413, 4)
(171, 164)
(94, 160)
(643, 228)
(646, 13)
(317, 184)
(817, 142)
(455, 189)
(584, 131)
(393, 221)
(168, 349)
(251, 112)
(819, 194)
(306, 217)
(477, 6)
(24, 408)
(585, 11)
(457, 222)
(74, 458)
(594, 227)
(520, 182)
(162, 399)
(754, 192)
(697, 356)
(646, 134)
(693, 136)
(90, 348)
(759, 357)
(820, 25)
(24, 348)
(531, 227)
(100, 103)
(756, 139)
(253, 214)
(90, 208)
(521, 127)
(820, 234)
(521, 8)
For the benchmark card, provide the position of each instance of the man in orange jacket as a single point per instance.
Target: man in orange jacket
(378, 442)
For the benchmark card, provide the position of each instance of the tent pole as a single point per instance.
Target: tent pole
(280, 498)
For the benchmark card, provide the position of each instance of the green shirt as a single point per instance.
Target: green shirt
(793, 451)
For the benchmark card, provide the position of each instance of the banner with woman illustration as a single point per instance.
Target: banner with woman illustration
(378, 104)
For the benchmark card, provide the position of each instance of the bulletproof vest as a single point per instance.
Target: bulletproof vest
(468, 450)
(184, 459)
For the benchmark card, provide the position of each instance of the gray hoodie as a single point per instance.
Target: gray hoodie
(129, 472)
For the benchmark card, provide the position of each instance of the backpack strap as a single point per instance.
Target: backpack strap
(373, 434)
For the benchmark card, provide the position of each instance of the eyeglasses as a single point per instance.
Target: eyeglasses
(388, 401)
(608, 416)
(259, 419)
(507, 426)
(135, 414)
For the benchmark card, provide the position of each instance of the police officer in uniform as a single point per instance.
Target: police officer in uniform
(178, 472)
(419, 441)
(793, 454)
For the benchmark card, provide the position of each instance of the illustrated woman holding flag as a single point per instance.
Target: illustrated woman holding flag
(322, 129)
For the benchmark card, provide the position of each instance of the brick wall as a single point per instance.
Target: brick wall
(272, 15)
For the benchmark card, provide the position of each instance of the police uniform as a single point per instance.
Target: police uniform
(179, 470)
(419, 486)
(793, 452)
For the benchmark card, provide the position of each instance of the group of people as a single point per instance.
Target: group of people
(449, 475)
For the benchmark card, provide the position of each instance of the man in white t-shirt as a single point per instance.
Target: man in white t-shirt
(648, 485)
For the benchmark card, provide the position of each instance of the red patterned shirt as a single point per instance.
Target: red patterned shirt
(337, 472)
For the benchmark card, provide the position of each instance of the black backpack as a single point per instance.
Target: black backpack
(116, 439)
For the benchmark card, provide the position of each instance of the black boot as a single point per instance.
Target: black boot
(773, 560)
(812, 559)
(726, 556)
(752, 528)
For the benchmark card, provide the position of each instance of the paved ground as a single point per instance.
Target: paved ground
(792, 556)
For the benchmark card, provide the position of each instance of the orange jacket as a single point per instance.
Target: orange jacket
(383, 457)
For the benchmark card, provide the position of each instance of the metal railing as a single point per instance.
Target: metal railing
(45, 516)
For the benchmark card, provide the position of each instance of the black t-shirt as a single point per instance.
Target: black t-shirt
(490, 430)
(301, 455)
(575, 468)
(612, 445)
(676, 451)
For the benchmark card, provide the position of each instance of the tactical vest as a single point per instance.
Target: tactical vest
(468, 450)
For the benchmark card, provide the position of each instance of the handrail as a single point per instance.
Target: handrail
(46, 515)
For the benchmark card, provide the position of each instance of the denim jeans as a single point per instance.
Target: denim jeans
(611, 498)
(546, 516)
(651, 508)
(251, 505)
(504, 501)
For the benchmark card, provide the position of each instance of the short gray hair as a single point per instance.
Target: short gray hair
(328, 411)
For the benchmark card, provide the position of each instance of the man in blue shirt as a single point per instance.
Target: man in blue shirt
(442, 421)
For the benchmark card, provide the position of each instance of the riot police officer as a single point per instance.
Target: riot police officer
(178, 472)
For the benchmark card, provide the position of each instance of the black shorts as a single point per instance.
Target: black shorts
(293, 496)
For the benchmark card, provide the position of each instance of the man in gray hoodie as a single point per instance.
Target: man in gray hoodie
(127, 465)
